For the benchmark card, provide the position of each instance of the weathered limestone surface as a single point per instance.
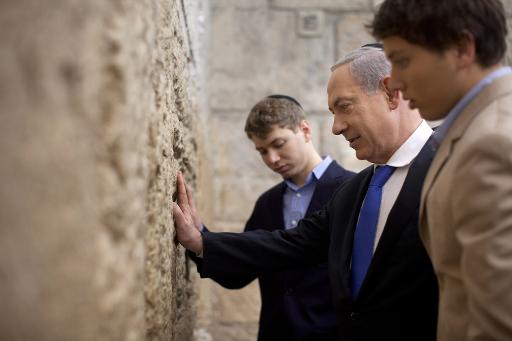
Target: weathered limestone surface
(96, 116)
(345, 5)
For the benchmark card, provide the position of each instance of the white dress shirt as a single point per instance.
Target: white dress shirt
(402, 160)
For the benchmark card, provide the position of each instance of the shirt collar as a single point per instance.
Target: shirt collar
(441, 132)
(411, 147)
(316, 174)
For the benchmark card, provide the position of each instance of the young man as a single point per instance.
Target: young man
(382, 282)
(296, 304)
(446, 58)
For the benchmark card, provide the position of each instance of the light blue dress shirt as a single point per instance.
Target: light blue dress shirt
(296, 199)
(442, 130)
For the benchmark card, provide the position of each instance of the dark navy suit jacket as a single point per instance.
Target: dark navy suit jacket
(296, 303)
(398, 298)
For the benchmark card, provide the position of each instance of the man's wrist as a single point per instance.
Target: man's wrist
(199, 249)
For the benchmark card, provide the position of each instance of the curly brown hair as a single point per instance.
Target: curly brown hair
(275, 110)
(440, 24)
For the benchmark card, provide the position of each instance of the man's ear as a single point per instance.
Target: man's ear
(392, 96)
(306, 129)
(465, 50)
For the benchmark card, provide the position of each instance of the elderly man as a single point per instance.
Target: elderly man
(382, 282)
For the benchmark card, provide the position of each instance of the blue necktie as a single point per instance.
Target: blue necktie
(364, 235)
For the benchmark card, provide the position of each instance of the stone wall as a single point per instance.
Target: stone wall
(97, 112)
(260, 47)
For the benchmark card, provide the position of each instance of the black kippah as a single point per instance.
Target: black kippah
(376, 45)
(285, 97)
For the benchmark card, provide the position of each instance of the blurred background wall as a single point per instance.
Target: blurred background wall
(100, 103)
(258, 48)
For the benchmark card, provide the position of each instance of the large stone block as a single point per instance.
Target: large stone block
(235, 331)
(508, 55)
(351, 33)
(233, 154)
(508, 6)
(377, 3)
(241, 305)
(245, 4)
(96, 119)
(248, 62)
(316, 122)
(333, 5)
(235, 198)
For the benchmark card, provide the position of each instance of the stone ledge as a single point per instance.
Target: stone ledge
(323, 4)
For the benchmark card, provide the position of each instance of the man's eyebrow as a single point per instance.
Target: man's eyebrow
(336, 101)
(342, 99)
(269, 144)
(392, 54)
(275, 140)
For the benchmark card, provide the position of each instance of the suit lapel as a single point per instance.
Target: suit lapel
(319, 196)
(437, 164)
(275, 207)
(498, 88)
(322, 189)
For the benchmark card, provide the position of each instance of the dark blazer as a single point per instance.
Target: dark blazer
(398, 298)
(296, 304)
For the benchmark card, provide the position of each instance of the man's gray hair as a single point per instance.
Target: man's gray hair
(368, 66)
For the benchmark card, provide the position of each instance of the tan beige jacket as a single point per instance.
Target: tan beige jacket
(466, 219)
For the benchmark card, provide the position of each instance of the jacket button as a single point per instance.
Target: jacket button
(354, 315)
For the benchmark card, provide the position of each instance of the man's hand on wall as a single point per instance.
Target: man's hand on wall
(186, 220)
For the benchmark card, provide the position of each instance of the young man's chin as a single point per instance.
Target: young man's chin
(288, 175)
(429, 116)
(283, 170)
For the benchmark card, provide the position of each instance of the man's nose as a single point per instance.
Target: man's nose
(338, 126)
(273, 156)
(395, 82)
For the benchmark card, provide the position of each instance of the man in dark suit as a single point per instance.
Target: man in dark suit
(382, 281)
(296, 304)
